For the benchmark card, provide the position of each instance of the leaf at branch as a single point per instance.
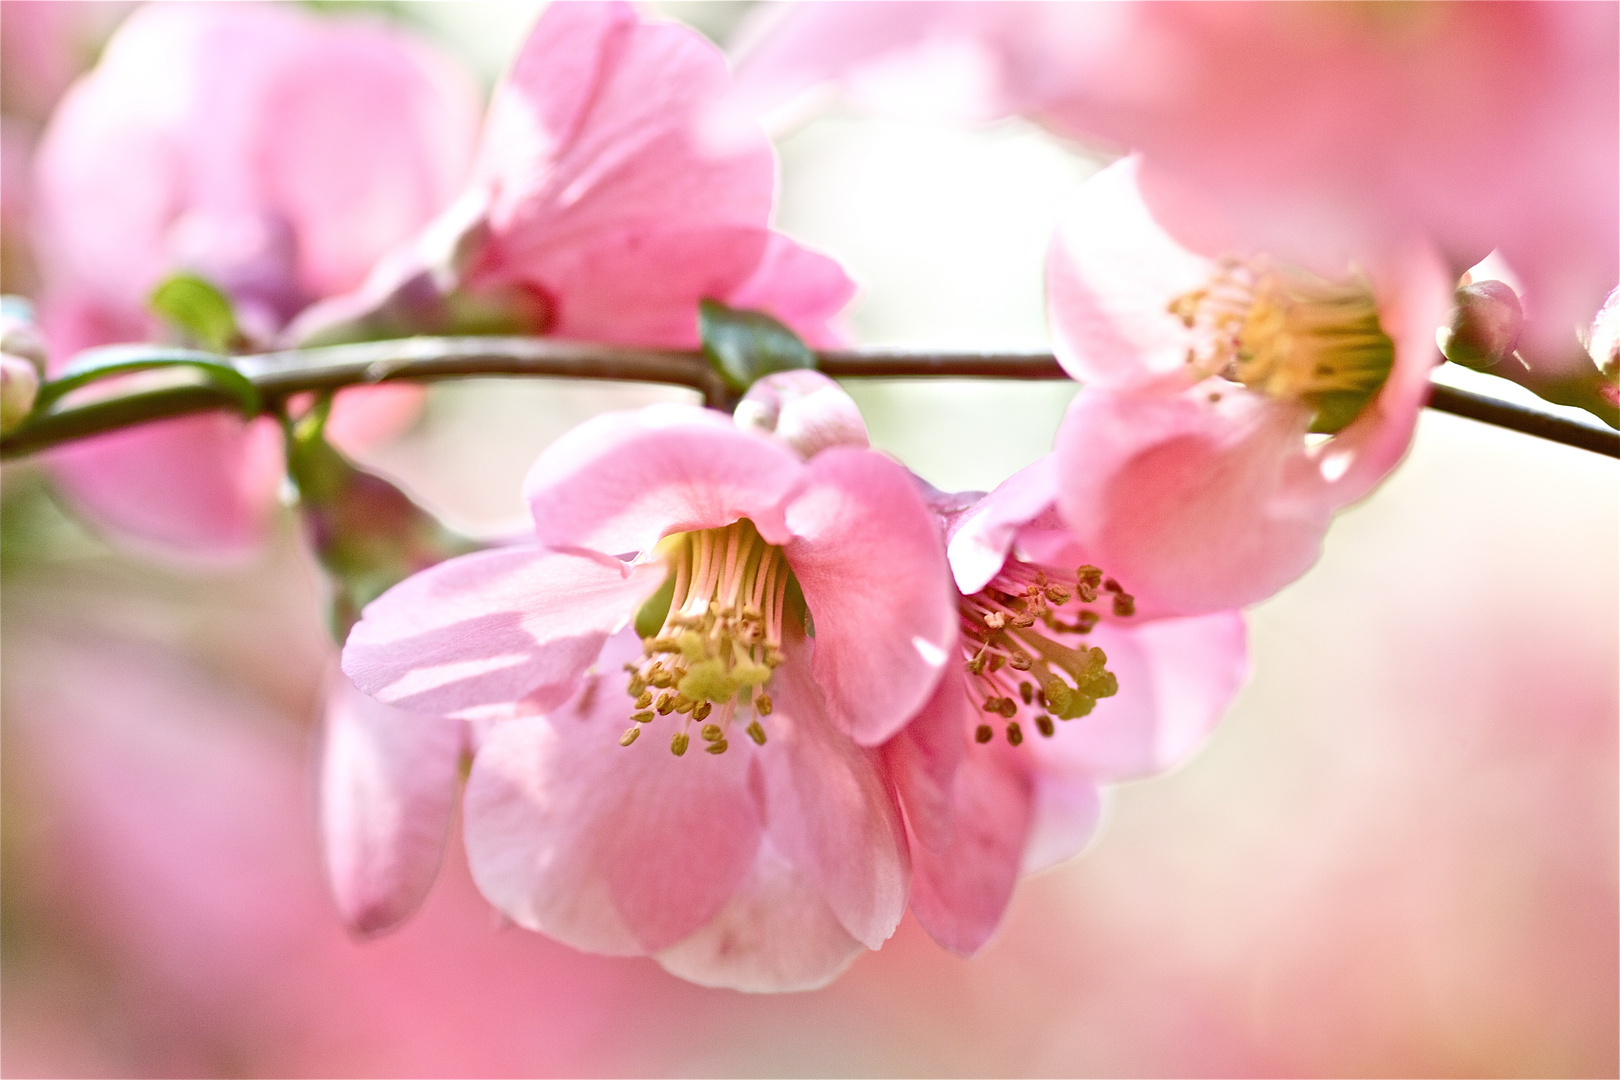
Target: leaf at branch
(198, 309)
(745, 346)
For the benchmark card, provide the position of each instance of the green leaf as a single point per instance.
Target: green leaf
(93, 365)
(197, 308)
(745, 346)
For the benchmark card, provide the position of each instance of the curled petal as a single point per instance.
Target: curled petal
(775, 934)
(387, 784)
(868, 557)
(493, 633)
(1177, 678)
(829, 810)
(1192, 506)
(804, 410)
(620, 481)
(960, 892)
(981, 537)
(610, 849)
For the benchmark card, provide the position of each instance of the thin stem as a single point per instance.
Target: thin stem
(280, 375)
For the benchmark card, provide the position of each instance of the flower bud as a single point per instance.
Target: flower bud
(19, 337)
(19, 385)
(1485, 325)
(803, 409)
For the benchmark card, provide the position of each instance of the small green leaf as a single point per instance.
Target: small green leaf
(197, 308)
(745, 346)
(93, 365)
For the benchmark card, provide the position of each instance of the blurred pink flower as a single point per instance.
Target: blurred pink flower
(1477, 126)
(1083, 693)
(277, 154)
(1186, 462)
(599, 208)
(765, 867)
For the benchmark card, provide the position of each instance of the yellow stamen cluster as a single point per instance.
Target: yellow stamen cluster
(1291, 335)
(1015, 654)
(718, 637)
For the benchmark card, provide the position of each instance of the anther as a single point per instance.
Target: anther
(1086, 621)
(629, 736)
(1124, 604)
(1057, 594)
(643, 717)
(666, 703)
(1027, 692)
(1044, 723)
(684, 704)
(702, 711)
(984, 734)
(756, 732)
(677, 745)
(1015, 734)
(711, 733)
(1087, 579)
(995, 620)
(644, 699)
(975, 666)
(762, 704)
(716, 747)
(1020, 661)
(637, 687)
(1009, 708)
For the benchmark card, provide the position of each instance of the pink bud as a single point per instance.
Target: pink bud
(19, 385)
(803, 409)
(1485, 327)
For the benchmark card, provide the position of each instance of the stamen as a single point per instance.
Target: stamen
(630, 736)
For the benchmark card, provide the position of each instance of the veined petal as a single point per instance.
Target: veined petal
(867, 555)
(1109, 274)
(494, 633)
(1177, 678)
(610, 849)
(828, 809)
(1193, 505)
(388, 781)
(960, 892)
(775, 934)
(619, 481)
(924, 757)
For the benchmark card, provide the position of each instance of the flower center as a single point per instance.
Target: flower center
(712, 636)
(1024, 660)
(1289, 334)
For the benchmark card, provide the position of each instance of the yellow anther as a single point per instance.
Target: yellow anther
(756, 732)
(1087, 580)
(636, 689)
(717, 747)
(1057, 594)
(762, 704)
(629, 736)
(666, 703)
(644, 699)
(975, 666)
(995, 620)
(677, 745)
(1020, 661)
(643, 717)
(684, 704)
(711, 733)
(1023, 619)
(1124, 605)
(702, 711)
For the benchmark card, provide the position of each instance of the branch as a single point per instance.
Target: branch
(280, 375)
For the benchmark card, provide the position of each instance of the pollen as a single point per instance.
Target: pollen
(1022, 647)
(1290, 335)
(712, 636)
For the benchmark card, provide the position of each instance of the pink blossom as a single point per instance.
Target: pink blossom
(277, 154)
(1187, 462)
(795, 608)
(599, 208)
(1477, 126)
(1064, 686)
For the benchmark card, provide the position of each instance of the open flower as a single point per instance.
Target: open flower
(278, 155)
(687, 670)
(1060, 684)
(598, 207)
(1188, 462)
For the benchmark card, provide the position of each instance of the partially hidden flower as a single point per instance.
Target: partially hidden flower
(599, 209)
(678, 688)
(1059, 685)
(278, 155)
(1231, 404)
(1472, 126)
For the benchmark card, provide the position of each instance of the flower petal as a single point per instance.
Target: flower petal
(610, 849)
(388, 781)
(981, 537)
(801, 287)
(828, 808)
(923, 758)
(867, 555)
(620, 481)
(1192, 505)
(1176, 679)
(960, 893)
(775, 934)
(493, 633)
(1064, 818)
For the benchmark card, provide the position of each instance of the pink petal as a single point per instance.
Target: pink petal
(960, 893)
(803, 410)
(1193, 506)
(981, 537)
(803, 288)
(1110, 272)
(494, 633)
(1063, 819)
(775, 934)
(1177, 677)
(620, 481)
(828, 808)
(196, 486)
(364, 416)
(388, 781)
(922, 761)
(611, 849)
(868, 557)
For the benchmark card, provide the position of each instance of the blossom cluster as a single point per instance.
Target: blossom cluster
(751, 691)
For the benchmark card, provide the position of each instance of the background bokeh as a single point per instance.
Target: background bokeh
(1397, 856)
